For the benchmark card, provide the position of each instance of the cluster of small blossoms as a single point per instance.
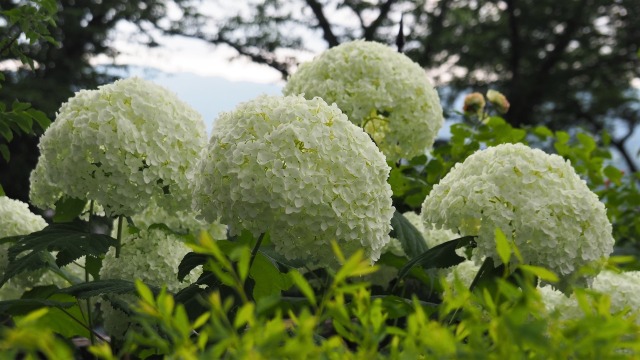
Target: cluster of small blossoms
(16, 219)
(535, 198)
(152, 256)
(379, 89)
(121, 145)
(298, 169)
(622, 289)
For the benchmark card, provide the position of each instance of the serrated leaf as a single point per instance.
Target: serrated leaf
(441, 256)
(101, 287)
(411, 239)
(33, 261)
(70, 240)
(189, 262)
(65, 322)
(24, 306)
(68, 208)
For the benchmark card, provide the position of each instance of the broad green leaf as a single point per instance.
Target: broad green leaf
(68, 209)
(411, 239)
(502, 246)
(19, 106)
(100, 287)
(24, 306)
(34, 260)
(40, 118)
(486, 273)
(614, 174)
(144, 292)
(441, 256)
(93, 264)
(1, 189)
(5, 130)
(65, 321)
(269, 280)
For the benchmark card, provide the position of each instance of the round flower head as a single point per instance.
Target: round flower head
(379, 89)
(553, 218)
(16, 219)
(122, 145)
(152, 256)
(301, 171)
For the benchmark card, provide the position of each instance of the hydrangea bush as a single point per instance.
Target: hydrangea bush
(298, 169)
(121, 145)
(379, 89)
(535, 198)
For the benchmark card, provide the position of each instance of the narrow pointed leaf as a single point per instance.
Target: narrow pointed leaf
(411, 239)
(441, 256)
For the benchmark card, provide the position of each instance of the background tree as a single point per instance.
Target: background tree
(61, 61)
(561, 63)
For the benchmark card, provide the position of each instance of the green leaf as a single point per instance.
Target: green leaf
(269, 280)
(5, 130)
(411, 239)
(100, 287)
(40, 118)
(65, 322)
(93, 264)
(2, 191)
(302, 284)
(542, 132)
(189, 262)
(144, 292)
(486, 273)
(502, 246)
(441, 256)
(18, 106)
(614, 174)
(70, 240)
(542, 273)
(33, 261)
(6, 155)
(68, 209)
(24, 306)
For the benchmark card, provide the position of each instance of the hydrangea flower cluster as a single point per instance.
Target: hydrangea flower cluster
(301, 171)
(16, 219)
(121, 145)
(538, 199)
(622, 288)
(152, 256)
(379, 89)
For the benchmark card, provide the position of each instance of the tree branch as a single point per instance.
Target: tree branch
(327, 32)
(370, 30)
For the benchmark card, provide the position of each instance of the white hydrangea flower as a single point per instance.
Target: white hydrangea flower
(300, 170)
(152, 256)
(16, 219)
(379, 89)
(465, 272)
(432, 236)
(554, 219)
(622, 288)
(42, 193)
(122, 145)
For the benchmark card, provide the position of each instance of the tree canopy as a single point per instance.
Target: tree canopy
(560, 63)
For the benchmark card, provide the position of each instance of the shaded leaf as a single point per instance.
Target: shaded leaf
(189, 262)
(68, 209)
(100, 287)
(24, 306)
(411, 239)
(441, 256)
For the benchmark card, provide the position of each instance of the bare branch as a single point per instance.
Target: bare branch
(370, 30)
(327, 32)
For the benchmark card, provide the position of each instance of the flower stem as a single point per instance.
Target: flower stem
(119, 238)
(254, 251)
(86, 280)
